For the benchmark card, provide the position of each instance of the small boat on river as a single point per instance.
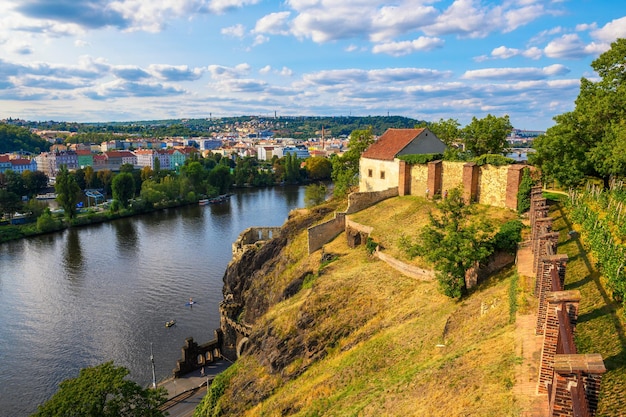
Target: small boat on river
(170, 323)
(203, 202)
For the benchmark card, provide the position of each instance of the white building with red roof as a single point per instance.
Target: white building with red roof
(379, 166)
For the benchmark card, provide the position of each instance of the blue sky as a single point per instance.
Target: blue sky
(120, 60)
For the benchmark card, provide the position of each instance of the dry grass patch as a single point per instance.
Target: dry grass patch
(389, 362)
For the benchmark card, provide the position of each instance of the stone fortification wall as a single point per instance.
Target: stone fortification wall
(194, 356)
(362, 200)
(252, 236)
(486, 184)
(571, 381)
(406, 269)
(492, 185)
(323, 233)
(419, 179)
(452, 175)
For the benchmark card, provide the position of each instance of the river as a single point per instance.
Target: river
(101, 293)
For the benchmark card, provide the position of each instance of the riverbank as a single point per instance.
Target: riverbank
(10, 232)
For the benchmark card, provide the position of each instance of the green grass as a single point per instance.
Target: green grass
(601, 326)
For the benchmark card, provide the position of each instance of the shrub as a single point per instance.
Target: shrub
(47, 223)
(509, 235)
(420, 158)
(523, 193)
(491, 159)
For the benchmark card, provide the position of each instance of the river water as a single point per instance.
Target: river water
(103, 293)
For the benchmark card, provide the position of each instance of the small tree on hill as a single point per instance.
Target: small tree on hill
(454, 244)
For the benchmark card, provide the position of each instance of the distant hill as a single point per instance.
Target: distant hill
(15, 139)
(298, 127)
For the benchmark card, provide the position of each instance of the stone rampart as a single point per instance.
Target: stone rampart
(323, 233)
(195, 356)
(570, 380)
(362, 200)
(253, 236)
(406, 269)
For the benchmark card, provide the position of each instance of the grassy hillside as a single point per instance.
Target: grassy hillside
(601, 324)
(364, 340)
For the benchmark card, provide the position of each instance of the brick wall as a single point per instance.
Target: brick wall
(571, 381)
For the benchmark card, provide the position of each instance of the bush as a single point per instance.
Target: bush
(420, 158)
(47, 223)
(509, 235)
(493, 159)
(523, 193)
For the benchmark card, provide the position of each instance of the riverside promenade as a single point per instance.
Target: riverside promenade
(180, 389)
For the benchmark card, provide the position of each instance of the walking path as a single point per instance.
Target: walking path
(179, 389)
(528, 346)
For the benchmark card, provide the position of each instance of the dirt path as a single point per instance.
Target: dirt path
(528, 346)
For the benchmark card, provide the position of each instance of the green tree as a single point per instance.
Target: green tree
(196, 173)
(123, 187)
(454, 244)
(220, 178)
(487, 136)
(67, 191)
(591, 139)
(103, 391)
(292, 168)
(319, 168)
(105, 177)
(34, 181)
(90, 177)
(345, 173)
(14, 183)
(9, 202)
(447, 130)
(314, 194)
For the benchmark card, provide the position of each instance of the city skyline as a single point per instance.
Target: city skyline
(122, 60)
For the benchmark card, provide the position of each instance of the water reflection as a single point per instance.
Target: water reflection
(126, 234)
(73, 255)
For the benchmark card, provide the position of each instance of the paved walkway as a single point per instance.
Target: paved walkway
(178, 389)
(528, 346)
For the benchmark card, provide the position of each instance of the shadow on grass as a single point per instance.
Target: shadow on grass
(610, 307)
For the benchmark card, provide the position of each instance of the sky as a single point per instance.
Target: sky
(128, 60)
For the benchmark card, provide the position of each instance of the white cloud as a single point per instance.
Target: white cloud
(273, 23)
(567, 46)
(533, 53)
(79, 43)
(286, 72)
(611, 31)
(221, 6)
(260, 39)
(503, 52)
(236, 31)
(423, 43)
(265, 70)
(516, 73)
(222, 72)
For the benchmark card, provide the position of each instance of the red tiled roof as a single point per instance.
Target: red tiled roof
(4, 158)
(20, 161)
(391, 143)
